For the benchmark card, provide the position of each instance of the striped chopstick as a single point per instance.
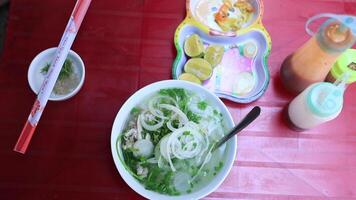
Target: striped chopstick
(47, 86)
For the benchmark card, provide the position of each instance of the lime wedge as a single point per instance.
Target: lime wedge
(193, 46)
(189, 77)
(199, 67)
(214, 54)
(244, 84)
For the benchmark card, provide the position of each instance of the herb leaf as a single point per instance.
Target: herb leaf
(66, 71)
(202, 105)
(193, 117)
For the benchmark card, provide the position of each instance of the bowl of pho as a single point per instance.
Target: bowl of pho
(163, 139)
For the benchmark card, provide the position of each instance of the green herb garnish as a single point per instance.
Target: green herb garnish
(135, 111)
(193, 117)
(202, 105)
(66, 71)
(219, 166)
(186, 133)
(177, 94)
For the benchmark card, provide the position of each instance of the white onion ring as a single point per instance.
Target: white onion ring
(157, 112)
(172, 146)
(160, 162)
(150, 127)
(152, 160)
(175, 110)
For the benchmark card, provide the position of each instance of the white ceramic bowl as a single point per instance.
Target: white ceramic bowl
(137, 98)
(35, 77)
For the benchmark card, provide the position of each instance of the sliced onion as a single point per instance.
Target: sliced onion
(188, 151)
(171, 146)
(175, 110)
(148, 137)
(152, 160)
(157, 112)
(169, 123)
(192, 125)
(160, 162)
(170, 126)
(139, 128)
(150, 127)
(169, 158)
(165, 150)
(163, 147)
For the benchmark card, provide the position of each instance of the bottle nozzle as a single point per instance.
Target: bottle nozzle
(338, 32)
(340, 83)
(338, 90)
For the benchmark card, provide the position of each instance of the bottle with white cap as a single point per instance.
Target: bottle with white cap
(317, 104)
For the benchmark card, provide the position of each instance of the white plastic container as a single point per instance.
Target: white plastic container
(317, 104)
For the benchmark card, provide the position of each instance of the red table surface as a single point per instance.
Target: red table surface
(126, 45)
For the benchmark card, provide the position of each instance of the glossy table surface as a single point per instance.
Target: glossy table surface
(126, 45)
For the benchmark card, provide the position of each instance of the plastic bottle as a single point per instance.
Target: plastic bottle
(346, 63)
(312, 62)
(317, 104)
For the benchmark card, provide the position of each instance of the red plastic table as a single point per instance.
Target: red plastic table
(126, 45)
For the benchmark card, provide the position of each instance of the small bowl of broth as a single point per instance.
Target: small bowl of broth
(70, 79)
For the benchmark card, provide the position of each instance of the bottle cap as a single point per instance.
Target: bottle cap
(346, 20)
(346, 63)
(335, 37)
(325, 99)
(336, 34)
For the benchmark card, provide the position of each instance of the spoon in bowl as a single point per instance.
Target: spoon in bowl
(250, 117)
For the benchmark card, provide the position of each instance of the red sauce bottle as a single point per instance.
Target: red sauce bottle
(312, 61)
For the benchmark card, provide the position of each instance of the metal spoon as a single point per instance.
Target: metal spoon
(250, 117)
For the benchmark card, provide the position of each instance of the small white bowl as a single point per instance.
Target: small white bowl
(36, 78)
(137, 98)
